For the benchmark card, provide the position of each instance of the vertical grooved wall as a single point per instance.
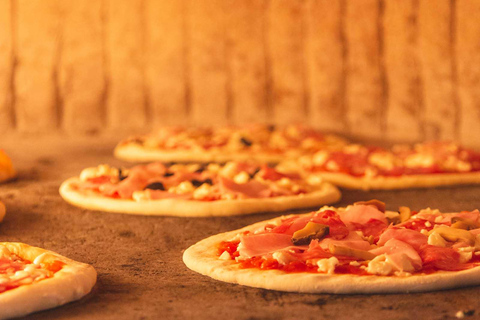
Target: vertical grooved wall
(403, 70)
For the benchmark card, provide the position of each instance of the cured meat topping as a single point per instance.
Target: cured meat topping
(361, 240)
(234, 180)
(421, 159)
(16, 272)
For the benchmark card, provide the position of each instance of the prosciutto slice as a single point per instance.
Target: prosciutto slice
(261, 244)
(138, 178)
(400, 255)
(251, 189)
(413, 238)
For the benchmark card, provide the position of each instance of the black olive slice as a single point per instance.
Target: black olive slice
(198, 183)
(254, 173)
(246, 142)
(139, 141)
(201, 169)
(121, 176)
(168, 174)
(155, 186)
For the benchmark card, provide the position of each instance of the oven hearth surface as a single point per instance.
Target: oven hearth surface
(139, 259)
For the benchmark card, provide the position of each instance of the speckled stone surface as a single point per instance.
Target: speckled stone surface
(139, 259)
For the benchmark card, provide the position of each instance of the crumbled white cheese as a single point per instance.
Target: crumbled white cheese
(380, 266)
(332, 166)
(419, 160)
(182, 188)
(465, 256)
(141, 195)
(355, 263)
(402, 274)
(213, 167)
(101, 170)
(284, 182)
(460, 314)
(352, 148)
(202, 192)
(424, 232)
(428, 224)
(39, 259)
(229, 170)
(225, 256)
(320, 158)
(384, 160)
(435, 239)
(241, 177)
(327, 265)
(283, 257)
(370, 172)
(314, 180)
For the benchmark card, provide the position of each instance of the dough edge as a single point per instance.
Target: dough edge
(326, 194)
(202, 257)
(72, 282)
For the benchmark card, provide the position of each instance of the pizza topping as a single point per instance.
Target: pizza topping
(375, 203)
(370, 162)
(427, 242)
(15, 271)
(234, 180)
(155, 186)
(311, 231)
(350, 252)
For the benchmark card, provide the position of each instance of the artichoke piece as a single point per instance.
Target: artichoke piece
(374, 202)
(311, 231)
(454, 235)
(349, 252)
(405, 213)
(462, 223)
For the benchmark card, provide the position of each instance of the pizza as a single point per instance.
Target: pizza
(34, 279)
(361, 248)
(195, 189)
(6, 168)
(262, 143)
(422, 165)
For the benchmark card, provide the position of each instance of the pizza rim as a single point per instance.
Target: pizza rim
(203, 257)
(132, 152)
(402, 182)
(327, 193)
(73, 281)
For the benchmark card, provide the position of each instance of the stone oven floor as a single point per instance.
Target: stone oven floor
(139, 259)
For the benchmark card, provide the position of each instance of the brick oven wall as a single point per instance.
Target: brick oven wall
(402, 70)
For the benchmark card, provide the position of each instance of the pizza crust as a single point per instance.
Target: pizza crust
(402, 182)
(327, 193)
(202, 257)
(72, 282)
(132, 152)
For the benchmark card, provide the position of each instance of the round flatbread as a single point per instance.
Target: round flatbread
(34, 279)
(180, 190)
(400, 167)
(371, 256)
(261, 143)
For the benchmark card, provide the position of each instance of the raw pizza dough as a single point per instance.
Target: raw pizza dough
(73, 281)
(423, 165)
(261, 143)
(172, 203)
(203, 257)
